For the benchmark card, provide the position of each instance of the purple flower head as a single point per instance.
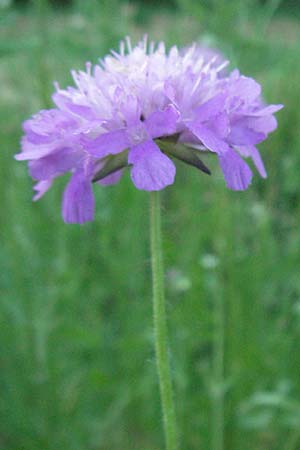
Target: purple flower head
(140, 109)
(151, 169)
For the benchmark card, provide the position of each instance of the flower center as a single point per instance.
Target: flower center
(138, 134)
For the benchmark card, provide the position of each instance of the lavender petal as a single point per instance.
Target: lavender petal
(78, 200)
(236, 172)
(152, 170)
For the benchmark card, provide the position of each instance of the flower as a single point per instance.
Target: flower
(151, 169)
(141, 108)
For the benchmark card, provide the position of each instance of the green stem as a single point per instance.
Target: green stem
(160, 325)
(218, 374)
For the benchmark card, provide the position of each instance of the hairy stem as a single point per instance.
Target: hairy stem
(160, 325)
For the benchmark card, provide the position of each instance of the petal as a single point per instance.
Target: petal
(162, 123)
(271, 109)
(45, 132)
(32, 151)
(106, 144)
(54, 164)
(38, 139)
(265, 124)
(63, 101)
(41, 188)
(236, 172)
(241, 134)
(152, 170)
(251, 151)
(220, 125)
(131, 110)
(170, 91)
(211, 108)
(208, 138)
(246, 88)
(259, 164)
(78, 200)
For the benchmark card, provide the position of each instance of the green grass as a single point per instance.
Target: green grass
(76, 341)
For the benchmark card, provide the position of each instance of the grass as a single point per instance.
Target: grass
(77, 357)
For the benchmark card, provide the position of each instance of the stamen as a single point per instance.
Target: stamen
(128, 42)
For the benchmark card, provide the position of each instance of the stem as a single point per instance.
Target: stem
(218, 375)
(219, 437)
(160, 324)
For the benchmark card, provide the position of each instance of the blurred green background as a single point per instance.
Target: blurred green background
(76, 342)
